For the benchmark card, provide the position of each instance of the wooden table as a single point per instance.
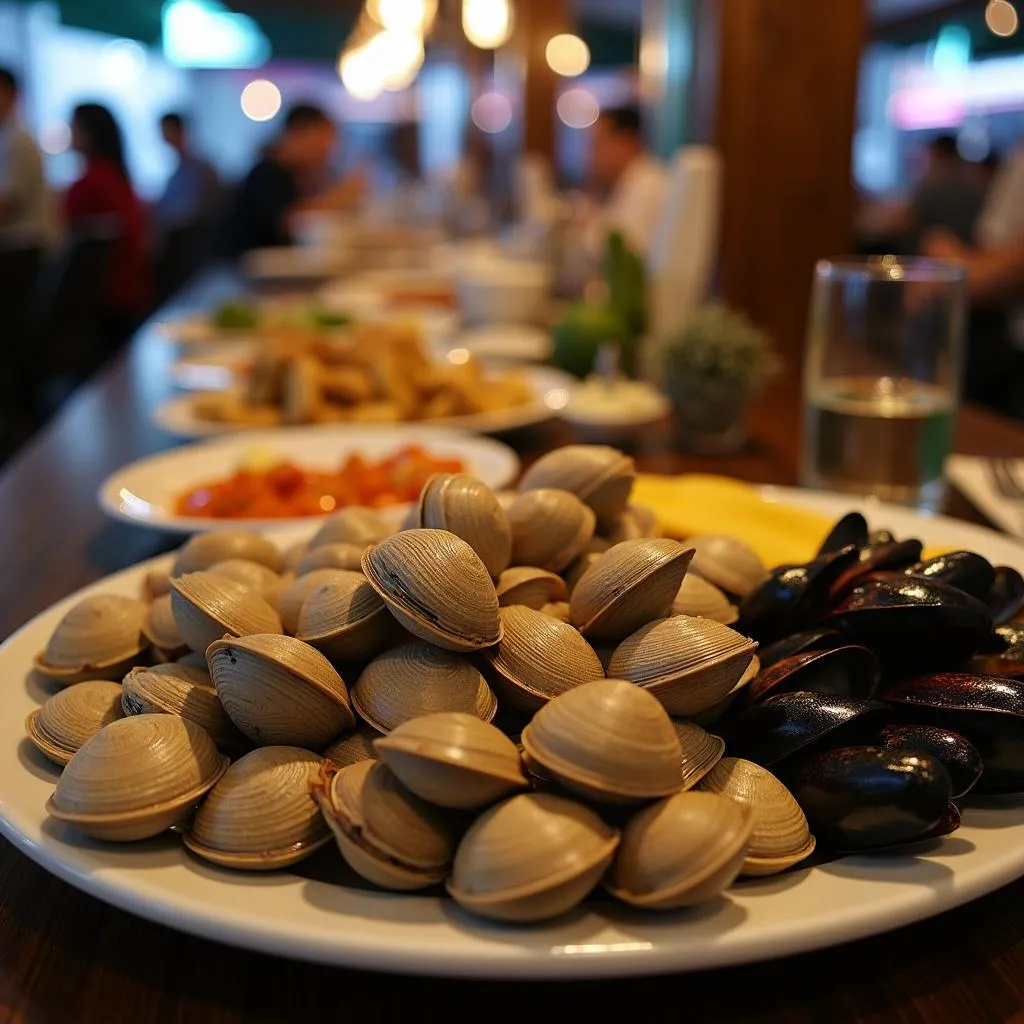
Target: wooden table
(66, 957)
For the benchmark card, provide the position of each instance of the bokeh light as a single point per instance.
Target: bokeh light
(567, 55)
(491, 112)
(399, 56)
(578, 108)
(261, 100)
(55, 138)
(1001, 18)
(487, 23)
(362, 78)
(403, 15)
(122, 63)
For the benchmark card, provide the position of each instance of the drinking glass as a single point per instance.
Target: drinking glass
(882, 377)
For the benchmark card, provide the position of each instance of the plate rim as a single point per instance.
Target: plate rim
(107, 492)
(382, 950)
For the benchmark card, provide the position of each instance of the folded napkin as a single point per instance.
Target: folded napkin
(972, 478)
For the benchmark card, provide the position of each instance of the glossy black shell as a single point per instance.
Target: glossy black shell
(988, 711)
(846, 671)
(864, 798)
(961, 569)
(958, 756)
(772, 732)
(851, 529)
(793, 597)
(797, 643)
(1002, 653)
(913, 623)
(1006, 598)
(892, 556)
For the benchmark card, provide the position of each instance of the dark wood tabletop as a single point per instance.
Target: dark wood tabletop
(66, 957)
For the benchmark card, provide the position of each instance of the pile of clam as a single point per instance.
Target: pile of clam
(527, 695)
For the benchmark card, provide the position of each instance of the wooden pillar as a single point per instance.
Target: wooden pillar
(536, 22)
(782, 112)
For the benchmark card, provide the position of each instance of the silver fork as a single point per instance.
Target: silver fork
(1005, 478)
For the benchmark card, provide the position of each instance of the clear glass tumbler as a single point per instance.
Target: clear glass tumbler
(882, 377)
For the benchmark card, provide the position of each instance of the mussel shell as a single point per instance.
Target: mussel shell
(797, 643)
(1006, 598)
(913, 622)
(1002, 654)
(771, 732)
(960, 759)
(964, 570)
(862, 798)
(850, 529)
(847, 671)
(891, 555)
(794, 597)
(988, 711)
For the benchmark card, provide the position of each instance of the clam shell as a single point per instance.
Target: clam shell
(352, 747)
(418, 679)
(609, 741)
(631, 584)
(549, 528)
(453, 760)
(681, 851)
(437, 588)
(688, 664)
(254, 575)
(635, 522)
(530, 858)
(781, 836)
(530, 586)
(339, 555)
(468, 508)
(99, 638)
(278, 690)
(205, 549)
(728, 562)
(292, 554)
(207, 607)
(136, 777)
(72, 716)
(261, 815)
(387, 835)
(579, 567)
(702, 750)
(156, 583)
(161, 630)
(175, 689)
(558, 610)
(599, 475)
(344, 618)
(290, 601)
(697, 597)
(352, 525)
(538, 658)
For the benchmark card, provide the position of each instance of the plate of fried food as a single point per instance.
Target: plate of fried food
(369, 373)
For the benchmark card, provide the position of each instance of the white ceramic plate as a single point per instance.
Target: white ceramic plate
(218, 366)
(144, 492)
(519, 343)
(291, 915)
(551, 389)
(197, 332)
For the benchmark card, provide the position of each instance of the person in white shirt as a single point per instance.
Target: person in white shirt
(630, 182)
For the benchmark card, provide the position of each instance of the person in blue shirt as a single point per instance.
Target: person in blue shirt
(192, 191)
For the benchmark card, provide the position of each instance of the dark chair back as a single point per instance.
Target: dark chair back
(184, 251)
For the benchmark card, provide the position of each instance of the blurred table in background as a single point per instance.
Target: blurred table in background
(66, 957)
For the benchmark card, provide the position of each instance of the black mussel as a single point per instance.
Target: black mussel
(913, 624)
(846, 671)
(879, 537)
(961, 569)
(864, 798)
(959, 757)
(793, 597)
(1006, 598)
(893, 556)
(988, 711)
(1002, 653)
(797, 643)
(771, 732)
(851, 529)
(947, 825)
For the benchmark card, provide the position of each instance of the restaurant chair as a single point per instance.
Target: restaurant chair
(681, 259)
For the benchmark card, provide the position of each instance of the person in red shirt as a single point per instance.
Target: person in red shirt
(103, 198)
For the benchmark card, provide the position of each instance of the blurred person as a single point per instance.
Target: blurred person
(103, 197)
(288, 181)
(630, 182)
(948, 197)
(190, 196)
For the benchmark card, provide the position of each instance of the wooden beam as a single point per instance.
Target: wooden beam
(536, 22)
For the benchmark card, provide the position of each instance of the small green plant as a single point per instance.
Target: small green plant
(718, 348)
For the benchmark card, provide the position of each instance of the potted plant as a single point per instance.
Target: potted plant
(711, 368)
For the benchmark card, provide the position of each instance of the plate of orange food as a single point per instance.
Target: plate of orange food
(295, 475)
